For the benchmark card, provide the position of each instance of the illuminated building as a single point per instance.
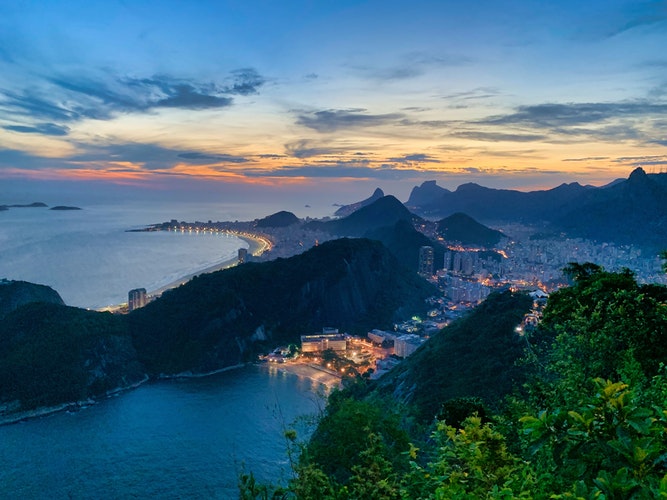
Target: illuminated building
(136, 298)
(426, 261)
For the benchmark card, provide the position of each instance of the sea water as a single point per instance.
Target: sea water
(90, 258)
(174, 439)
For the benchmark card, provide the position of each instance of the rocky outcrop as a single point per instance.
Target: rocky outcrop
(14, 294)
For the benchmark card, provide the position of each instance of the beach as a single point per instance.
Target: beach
(310, 371)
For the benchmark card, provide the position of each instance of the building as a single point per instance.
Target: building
(322, 341)
(426, 261)
(136, 298)
(243, 255)
(407, 344)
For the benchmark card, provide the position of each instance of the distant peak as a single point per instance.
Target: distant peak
(638, 173)
(378, 193)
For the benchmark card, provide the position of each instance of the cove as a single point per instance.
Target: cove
(186, 438)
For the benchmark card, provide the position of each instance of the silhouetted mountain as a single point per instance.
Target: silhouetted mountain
(429, 193)
(466, 230)
(404, 241)
(279, 219)
(14, 294)
(385, 211)
(630, 212)
(346, 210)
(633, 210)
(493, 205)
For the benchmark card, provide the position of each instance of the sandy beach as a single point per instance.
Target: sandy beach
(256, 246)
(313, 372)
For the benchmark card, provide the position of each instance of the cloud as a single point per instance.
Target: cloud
(42, 128)
(551, 116)
(414, 158)
(205, 157)
(499, 136)
(71, 99)
(339, 170)
(337, 119)
(308, 149)
(588, 158)
(410, 65)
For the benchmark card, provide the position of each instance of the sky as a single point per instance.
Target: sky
(320, 98)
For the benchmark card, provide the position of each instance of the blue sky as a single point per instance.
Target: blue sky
(331, 96)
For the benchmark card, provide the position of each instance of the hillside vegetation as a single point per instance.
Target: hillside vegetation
(587, 418)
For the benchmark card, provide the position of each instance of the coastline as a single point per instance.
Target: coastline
(257, 245)
(20, 416)
(321, 375)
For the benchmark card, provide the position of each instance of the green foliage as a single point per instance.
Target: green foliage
(607, 447)
(52, 354)
(473, 357)
(604, 326)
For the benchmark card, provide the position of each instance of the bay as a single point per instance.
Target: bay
(184, 439)
(92, 261)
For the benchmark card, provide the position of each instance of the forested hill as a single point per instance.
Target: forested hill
(52, 354)
(576, 408)
(474, 357)
(220, 319)
(14, 294)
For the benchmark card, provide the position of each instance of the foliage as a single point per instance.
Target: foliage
(224, 318)
(52, 354)
(473, 357)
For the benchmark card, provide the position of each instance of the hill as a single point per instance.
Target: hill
(473, 357)
(52, 354)
(346, 210)
(464, 229)
(14, 294)
(224, 318)
(279, 219)
(385, 211)
(404, 241)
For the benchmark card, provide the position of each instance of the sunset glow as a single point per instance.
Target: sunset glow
(507, 94)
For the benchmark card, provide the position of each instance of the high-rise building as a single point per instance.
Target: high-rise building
(426, 261)
(136, 298)
(243, 255)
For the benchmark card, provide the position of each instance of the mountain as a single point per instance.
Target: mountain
(461, 228)
(630, 212)
(279, 219)
(385, 211)
(14, 294)
(222, 319)
(494, 205)
(404, 242)
(346, 210)
(473, 357)
(627, 211)
(51, 354)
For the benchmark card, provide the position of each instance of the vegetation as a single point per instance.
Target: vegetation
(52, 354)
(587, 421)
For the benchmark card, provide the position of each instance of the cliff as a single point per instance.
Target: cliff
(14, 294)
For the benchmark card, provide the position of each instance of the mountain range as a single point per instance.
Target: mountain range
(626, 211)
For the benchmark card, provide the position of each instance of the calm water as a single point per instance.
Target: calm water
(170, 439)
(88, 257)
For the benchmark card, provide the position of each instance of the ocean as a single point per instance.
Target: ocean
(91, 260)
(172, 439)
(169, 439)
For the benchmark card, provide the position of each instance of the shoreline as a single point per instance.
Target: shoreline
(257, 245)
(312, 372)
